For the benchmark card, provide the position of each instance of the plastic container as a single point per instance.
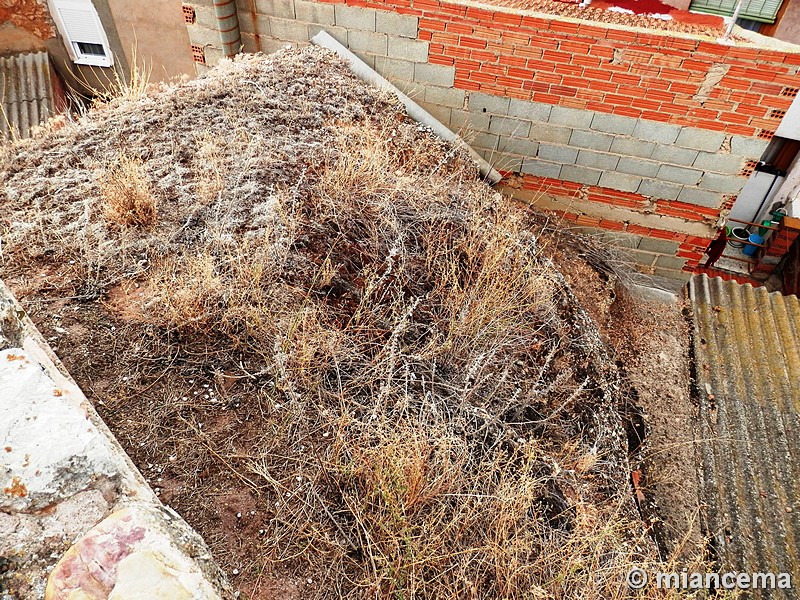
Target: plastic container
(739, 235)
(751, 250)
(767, 223)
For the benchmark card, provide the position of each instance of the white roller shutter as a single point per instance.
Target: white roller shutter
(80, 26)
(755, 10)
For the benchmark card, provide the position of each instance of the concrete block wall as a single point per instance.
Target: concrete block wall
(651, 133)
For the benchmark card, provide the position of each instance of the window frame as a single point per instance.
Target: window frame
(72, 44)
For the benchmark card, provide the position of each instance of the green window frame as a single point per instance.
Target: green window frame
(764, 11)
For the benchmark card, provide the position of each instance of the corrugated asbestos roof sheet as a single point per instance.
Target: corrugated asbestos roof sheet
(747, 357)
(26, 92)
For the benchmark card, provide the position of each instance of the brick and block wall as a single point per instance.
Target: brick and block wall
(645, 135)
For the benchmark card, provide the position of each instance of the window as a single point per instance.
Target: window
(80, 26)
(764, 11)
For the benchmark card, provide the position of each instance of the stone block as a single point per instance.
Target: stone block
(507, 126)
(748, 147)
(572, 117)
(620, 181)
(579, 174)
(670, 262)
(675, 155)
(276, 8)
(544, 132)
(367, 41)
(314, 12)
(597, 160)
(445, 96)
(726, 184)
(532, 111)
(719, 163)
(541, 168)
(659, 189)
(355, 17)
(693, 195)
(591, 140)
(627, 146)
(679, 174)
(653, 131)
(557, 153)
(615, 124)
(397, 24)
(700, 139)
(413, 50)
(496, 105)
(288, 29)
(514, 145)
(637, 166)
(440, 75)
(659, 246)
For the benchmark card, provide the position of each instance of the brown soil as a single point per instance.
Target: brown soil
(334, 327)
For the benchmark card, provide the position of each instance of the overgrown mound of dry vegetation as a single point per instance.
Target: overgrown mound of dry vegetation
(341, 357)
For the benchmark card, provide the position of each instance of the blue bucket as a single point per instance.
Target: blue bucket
(751, 250)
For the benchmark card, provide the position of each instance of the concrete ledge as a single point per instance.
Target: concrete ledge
(67, 485)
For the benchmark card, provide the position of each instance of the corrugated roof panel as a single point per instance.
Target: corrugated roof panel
(26, 92)
(747, 357)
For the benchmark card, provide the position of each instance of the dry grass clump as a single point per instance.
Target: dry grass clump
(127, 194)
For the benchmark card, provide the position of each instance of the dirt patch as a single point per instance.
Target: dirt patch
(348, 363)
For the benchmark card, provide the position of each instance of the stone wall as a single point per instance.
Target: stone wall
(646, 133)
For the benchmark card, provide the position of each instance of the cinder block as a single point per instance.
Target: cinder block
(632, 147)
(693, 195)
(205, 16)
(659, 189)
(469, 122)
(249, 43)
(616, 124)
(446, 96)
(579, 174)
(726, 184)
(653, 131)
(555, 134)
(369, 60)
(620, 181)
(557, 153)
(507, 126)
(644, 259)
(496, 105)
(700, 139)
(367, 41)
(618, 239)
(572, 117)
(597, 160)
(719, 163)
(337, 33)
(637, 166)
(670, 262)
(438, 112)
(203, 36)
(505, 162)
(276, 8)
(512, 145)
(748, 147)
(413, 50)
(532, 111)
(314, 12)
(672, 274)
(257, 26)
(394, 68)
(434, 74)
(591, 140)
(660, 246)
(675, 155)
(354, 17)
(270, 45)
(541, 168)
(288, 29)
(396, 24)
(485, 140)
(679, 174)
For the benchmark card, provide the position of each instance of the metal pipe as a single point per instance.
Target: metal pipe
(735, 16)
(228, 25)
